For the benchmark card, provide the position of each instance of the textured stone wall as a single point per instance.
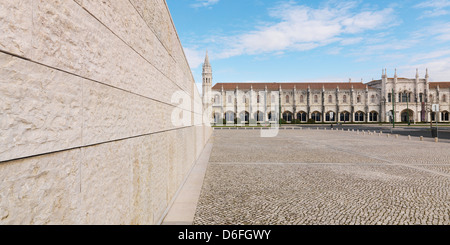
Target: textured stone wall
(86, 108)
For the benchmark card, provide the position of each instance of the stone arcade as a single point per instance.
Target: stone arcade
(326, 102)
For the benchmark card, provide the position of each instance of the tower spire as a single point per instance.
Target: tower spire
(207, 59)
(417, 73)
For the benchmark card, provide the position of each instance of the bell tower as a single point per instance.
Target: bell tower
(207, 84)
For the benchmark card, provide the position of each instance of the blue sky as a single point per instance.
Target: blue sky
(307, 41)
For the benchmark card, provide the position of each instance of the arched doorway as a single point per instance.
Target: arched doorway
(407, 115)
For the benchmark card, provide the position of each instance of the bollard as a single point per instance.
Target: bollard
(388, 135)
(421, 138)
(379, 135)
(396, 136)
(436, 139)
(409, 137)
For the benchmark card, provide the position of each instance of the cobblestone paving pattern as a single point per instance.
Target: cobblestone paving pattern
(324, 177)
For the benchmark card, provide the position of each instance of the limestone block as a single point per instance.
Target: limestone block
(156, 15)
(124, 21)
(174, 162)
(40, 108)
(16, 22)
(111, 114)
(107, 183)
(63, 38)
(42, 190)
(159, 174)
(181, 152)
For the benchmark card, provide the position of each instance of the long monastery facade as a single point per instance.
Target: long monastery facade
(353, 102)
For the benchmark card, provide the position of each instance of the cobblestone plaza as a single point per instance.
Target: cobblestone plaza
(309, 177)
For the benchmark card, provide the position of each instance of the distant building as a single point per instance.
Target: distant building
(326, 102)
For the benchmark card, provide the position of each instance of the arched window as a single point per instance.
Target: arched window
(330, 99)
(445, 116)
(217, 118)
(301, 99)
(216, 99)
(244, 100)
(257, 99)
(272, 116)
(316, 116)
(259, 116)
(373, 116)
(358, 99)
(389, 97)
(345, 116)
(444, 98)
(287, 116)
(330, 116)
(344, 99)
(316, 99)
(244, 116)
(229, 98)
(302, 116)
(405, 97)
(229, 116)
(431, 99)
(287, 99)
(359, 116)
(372, 99)
(421, 97)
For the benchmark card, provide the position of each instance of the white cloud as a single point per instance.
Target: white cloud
(204, 3)
(439, 69)
(195, 58)
(303, 28)
(439, 4)
(437, 8)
